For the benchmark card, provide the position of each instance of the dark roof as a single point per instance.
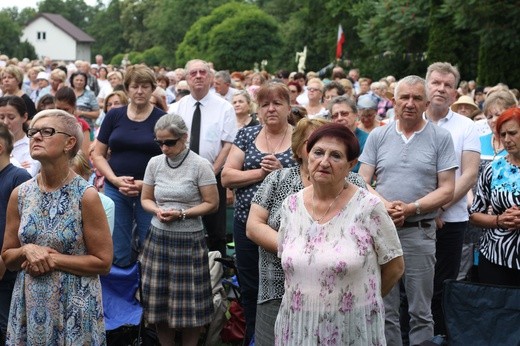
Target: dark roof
(66, 26)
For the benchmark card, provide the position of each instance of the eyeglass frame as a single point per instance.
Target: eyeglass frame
(31, 132)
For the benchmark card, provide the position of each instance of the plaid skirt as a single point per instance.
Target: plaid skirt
(176, 280)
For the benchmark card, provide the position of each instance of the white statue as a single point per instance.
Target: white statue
(300, 59)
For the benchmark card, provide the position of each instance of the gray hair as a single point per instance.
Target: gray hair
(409, 80)
(503, 99)
(189, 63)
(224, 76)
(444, 68)
(245, 94)
(68, 124)
(173, 123)
(345, 100)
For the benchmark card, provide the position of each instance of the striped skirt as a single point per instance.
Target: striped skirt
(176, 280)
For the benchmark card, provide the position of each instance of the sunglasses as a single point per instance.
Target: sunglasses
(169, 142)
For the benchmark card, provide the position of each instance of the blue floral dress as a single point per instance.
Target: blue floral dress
(332, 273)
(58, 308)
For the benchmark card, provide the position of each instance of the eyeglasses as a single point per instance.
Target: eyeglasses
(45, 132)
(169, 142)
(293, 91)
(202, 72)
(313, 89)
(342, 114)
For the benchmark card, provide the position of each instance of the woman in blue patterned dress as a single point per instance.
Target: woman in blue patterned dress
(498, 187)
(57, 236)
(256, 152)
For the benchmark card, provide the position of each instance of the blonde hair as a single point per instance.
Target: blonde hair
(69, 124)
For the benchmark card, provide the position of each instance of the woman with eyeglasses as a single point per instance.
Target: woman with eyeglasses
(129, 133)
(315, 108)
(57, 237)
(179, 187)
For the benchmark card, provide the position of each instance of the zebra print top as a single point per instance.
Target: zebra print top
(498, 187)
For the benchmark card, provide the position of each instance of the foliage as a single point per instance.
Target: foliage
(231, 36)
(10, 33)
(497, 24)
(169, 20)
(133, 15)
(383, 37)
(108, 31)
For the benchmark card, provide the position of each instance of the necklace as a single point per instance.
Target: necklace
(173, 167)
(48, 189)
(279, 144)
(328, 209)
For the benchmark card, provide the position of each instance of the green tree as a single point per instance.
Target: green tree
(448, 43)
(394, 34)
(107, 29)
(133, 16)
(497, 23)
(233, 36)
(169, 20)
(10, 33)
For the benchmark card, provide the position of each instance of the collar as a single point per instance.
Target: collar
(444, 119)
(202, 101)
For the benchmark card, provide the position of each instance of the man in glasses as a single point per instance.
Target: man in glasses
(212, 124)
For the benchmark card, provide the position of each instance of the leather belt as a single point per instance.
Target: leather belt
(421, 223)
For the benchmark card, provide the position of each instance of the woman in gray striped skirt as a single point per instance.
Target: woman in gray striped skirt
(179, 187)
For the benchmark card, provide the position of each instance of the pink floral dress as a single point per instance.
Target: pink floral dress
(332, 273)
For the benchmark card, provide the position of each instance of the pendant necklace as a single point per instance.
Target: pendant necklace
(328, 209)
(173, 167)
(279, 144)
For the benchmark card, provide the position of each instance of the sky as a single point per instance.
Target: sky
(30, 3)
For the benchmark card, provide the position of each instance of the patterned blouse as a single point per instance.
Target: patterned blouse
(276, 187)
(499, 187)
(245, 141)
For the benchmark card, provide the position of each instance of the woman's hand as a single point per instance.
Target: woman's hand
(270, 163)
(167, 216)
(38, 260)
(510, 219)
(128, 186)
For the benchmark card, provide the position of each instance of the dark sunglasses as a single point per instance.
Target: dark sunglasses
(168, 142)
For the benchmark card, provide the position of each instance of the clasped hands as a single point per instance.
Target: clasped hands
(270, 163)
(169, 215)
(38, 259)
(128, 186)
(510, 219)
(397, 211)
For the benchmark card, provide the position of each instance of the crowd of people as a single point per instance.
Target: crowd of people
(353, 198)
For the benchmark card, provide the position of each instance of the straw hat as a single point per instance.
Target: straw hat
(464, 100)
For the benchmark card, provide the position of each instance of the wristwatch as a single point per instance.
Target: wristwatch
(182, 215)
(417, 208)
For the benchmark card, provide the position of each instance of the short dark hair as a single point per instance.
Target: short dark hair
(74, 75)
(339, 132)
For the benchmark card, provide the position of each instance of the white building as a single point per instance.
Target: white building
(56, 37)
